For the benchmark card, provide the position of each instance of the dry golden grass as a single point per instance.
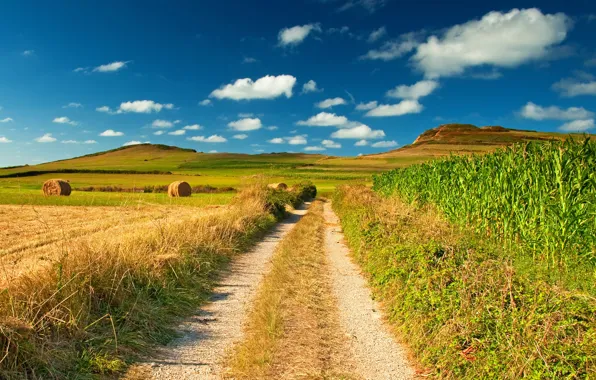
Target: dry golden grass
(116, 293)
(292, 331)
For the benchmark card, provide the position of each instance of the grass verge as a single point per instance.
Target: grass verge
(467, 308)
(93, 311)
(292, 329)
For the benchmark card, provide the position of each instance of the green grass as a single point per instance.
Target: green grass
(81, 198)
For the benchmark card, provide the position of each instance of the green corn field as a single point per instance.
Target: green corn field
(539, 197)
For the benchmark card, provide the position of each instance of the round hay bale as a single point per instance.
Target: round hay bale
(179, 189)
(278, 186)
(56, 187)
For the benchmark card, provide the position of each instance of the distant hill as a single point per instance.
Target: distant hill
(467, 138)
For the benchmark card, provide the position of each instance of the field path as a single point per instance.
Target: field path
(374, 350)
(218, 325)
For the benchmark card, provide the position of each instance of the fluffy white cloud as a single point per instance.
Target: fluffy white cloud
(104, 109)
(111, 67)
(391, 50)
(328, 103)
(385, 144)
(314, 149)
(162, 124)
(159, 133)
(267, 87)
(415, 91)
(360, 132)
(297, 140)
(367, 106)
(536, 112)
(210, 139)
(361, 143)
(240, 136)
(69, 142)
(73, 105)
(330, 144)
(499, 39)
(310, 86)
(47, 138)
(277, 140)
(89, 142)
(324, 119)
(249, 60)
(402, 108)
(248, 124)
(205, 103)
(577, 125)
(272, 128)
(64, 120)
(296, 35)
(245, 114)
(143, 106)
(194, 127)
(377, 34)
(571, 87)
(4, 140)
(111, 133)
(135, 142)
(6, 120)
(28, 53)
(179, 132)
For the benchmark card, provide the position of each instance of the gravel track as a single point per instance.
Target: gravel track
(218, 325)
(374, 350)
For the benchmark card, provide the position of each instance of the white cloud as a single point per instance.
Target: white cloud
(370, 5)
(177, 121)
(402, 108)
(47, 138)
(111, 133)
(248, 124)
(135, 142)
(28, 53)
(4, 140)
(69, 142)
(310, 86)
(415, 91)
(391, 50)
(240, 136)
(272, 128)
(210, 139)
(6, 120)
(314, 149)
(194, 127)
(73, 105)
(179, 132)
(104, 109)
(571, 87)
(277, 140)
(89, 142)
(577, 125)
(324, 119)
(143, 106)
(330, 144)
(64, 120)
(297, 140)
(212, 151)
(360, 132)
(328, 103)
(536, 112)
(499, 39)
(367, 106)
(162, 124)
(245, 114)
(205, 103)
(250, 60)
(377, 34)
(385, 144)
(111, 67)
(361, 143)
(159, 133)
(295, 35)
(267, 87)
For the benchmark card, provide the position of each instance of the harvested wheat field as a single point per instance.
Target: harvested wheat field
(43, 234)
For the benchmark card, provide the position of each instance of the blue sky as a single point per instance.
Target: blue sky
(341, 77)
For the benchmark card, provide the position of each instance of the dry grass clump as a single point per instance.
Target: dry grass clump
(179, 189)
(115, 297)
(292, 331)
(278, 186)
(56, 187)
